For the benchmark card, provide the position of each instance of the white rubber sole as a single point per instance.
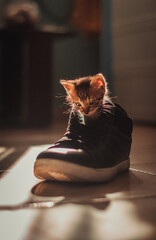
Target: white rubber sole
(51, 169)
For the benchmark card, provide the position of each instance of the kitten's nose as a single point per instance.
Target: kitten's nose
(86, 111)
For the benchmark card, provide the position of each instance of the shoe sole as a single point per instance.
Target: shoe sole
(51, 169)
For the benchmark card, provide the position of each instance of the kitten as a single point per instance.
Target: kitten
(87, 95)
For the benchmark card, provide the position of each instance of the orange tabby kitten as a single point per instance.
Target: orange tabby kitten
(87, 95)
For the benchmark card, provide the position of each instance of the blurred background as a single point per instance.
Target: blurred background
(42, 42)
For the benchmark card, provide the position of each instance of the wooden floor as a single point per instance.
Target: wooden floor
(123, 209)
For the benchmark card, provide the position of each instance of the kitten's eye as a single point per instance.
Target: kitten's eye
(78, 104)
(92, 102)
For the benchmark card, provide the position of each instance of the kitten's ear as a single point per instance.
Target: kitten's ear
(68, 85)
(99, 82)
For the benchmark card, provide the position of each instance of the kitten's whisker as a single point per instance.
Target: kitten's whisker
(60, 96)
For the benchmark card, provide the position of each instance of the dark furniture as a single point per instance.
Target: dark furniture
(26, 75)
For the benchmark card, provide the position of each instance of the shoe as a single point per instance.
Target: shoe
(96, 152)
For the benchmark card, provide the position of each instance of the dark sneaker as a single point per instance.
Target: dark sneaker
(96, 152)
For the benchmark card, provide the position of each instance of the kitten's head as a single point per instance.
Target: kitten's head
(87, 93)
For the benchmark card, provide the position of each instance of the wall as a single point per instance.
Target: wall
(74, 57)
(134, 56)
